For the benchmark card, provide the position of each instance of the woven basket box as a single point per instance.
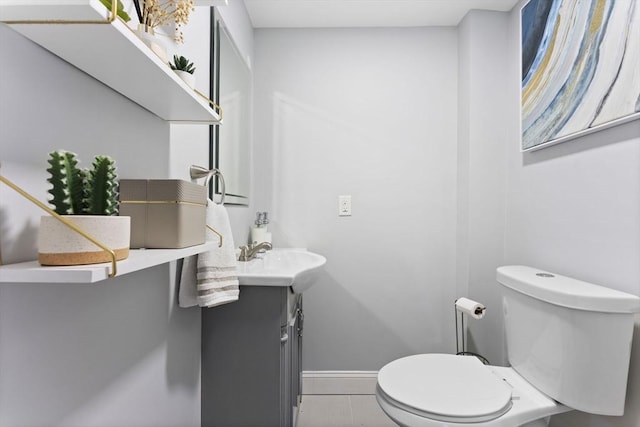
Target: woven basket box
(165, 213)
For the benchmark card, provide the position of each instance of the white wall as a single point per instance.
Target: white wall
(238, 24)
(482, 177)
(574, 209)
(189, 143)
(116, 353)
(370, 113)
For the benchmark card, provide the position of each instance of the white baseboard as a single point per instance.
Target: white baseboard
(339, 382)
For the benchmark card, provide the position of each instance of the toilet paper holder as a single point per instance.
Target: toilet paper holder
(475, 310)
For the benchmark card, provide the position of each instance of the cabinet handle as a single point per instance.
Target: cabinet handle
(284, 338)
(300, 322)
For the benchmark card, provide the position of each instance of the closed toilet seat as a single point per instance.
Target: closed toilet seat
(435, 390)
(445, 387)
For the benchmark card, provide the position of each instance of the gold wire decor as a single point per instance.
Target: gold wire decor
(219, 235)
(213, 104)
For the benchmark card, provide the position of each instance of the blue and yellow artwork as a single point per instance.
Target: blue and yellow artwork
(580, 67)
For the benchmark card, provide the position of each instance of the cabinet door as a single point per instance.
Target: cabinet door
(242, 360)
(291, 366)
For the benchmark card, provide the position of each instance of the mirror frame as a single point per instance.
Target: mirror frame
(217, 26)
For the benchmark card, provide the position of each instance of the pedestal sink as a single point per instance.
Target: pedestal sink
(297, 268)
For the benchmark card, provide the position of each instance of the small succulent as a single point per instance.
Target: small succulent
(180, 63)
(78, 191)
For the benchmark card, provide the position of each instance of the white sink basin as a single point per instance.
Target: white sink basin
(297, 268)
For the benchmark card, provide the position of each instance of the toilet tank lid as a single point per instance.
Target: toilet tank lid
(565, 291)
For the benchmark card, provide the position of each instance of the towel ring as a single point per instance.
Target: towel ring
(200, 172)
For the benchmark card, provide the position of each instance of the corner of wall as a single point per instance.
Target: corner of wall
(482, 165)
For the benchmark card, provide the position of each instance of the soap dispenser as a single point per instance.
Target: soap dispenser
(259, 233)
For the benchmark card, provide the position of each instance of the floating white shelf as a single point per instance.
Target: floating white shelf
(139, 259)
(111, 53)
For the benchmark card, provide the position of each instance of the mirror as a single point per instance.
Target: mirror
(230, 142)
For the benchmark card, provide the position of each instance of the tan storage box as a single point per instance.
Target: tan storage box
(165, 213)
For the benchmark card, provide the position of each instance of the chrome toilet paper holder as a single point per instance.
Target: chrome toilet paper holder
(476, 311)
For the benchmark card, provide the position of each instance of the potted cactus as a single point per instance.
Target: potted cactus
(89, 199)
(184, 69)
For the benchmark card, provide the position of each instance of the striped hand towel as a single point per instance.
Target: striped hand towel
(210, 278)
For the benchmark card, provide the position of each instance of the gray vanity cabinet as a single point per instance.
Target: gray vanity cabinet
(251, 352)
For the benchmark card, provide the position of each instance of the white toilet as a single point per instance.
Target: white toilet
(568, 344)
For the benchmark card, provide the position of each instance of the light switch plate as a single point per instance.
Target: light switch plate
(344, 205)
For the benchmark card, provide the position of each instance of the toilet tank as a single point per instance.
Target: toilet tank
(568, 338)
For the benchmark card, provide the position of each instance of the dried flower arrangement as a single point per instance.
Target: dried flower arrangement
(156, 13)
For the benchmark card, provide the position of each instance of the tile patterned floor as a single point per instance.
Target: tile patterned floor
(332, 410)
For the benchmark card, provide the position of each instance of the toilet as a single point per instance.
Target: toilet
(568, 347)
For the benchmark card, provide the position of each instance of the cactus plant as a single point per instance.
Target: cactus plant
(78, 191)
(101, 188)
(180, 63)
(67, 182)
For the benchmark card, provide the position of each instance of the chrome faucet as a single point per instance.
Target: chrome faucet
(247, 253)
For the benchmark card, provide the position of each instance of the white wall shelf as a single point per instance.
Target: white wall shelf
(111, 53)
(139, 259)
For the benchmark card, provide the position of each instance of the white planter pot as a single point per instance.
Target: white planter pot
(188, 78)
(60, 245)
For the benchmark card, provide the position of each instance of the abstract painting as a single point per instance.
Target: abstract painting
(580, 68)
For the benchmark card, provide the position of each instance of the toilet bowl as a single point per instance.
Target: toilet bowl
(568, 347)
(437, 390)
